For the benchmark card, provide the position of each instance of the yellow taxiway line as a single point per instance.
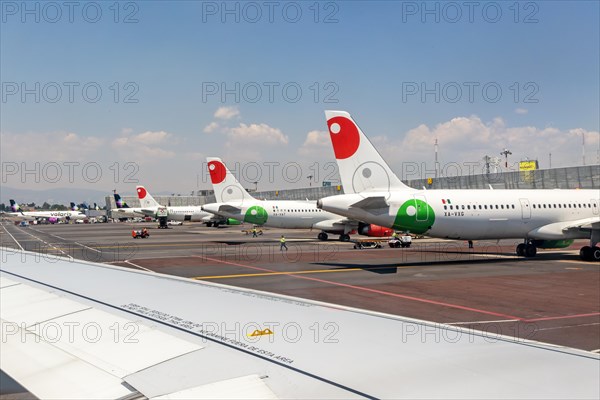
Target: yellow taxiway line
(309, 271)
(314, 271)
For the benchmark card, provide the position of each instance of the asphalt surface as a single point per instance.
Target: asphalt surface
(553, 298)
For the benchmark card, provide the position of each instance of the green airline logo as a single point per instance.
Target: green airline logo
(415, 216)
(256, 215)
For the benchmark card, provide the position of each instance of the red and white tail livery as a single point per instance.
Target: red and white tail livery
(361, 167)
(226, 186)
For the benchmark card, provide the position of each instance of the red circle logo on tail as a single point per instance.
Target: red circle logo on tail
(141, 192)
(344, 136)
(217, 172)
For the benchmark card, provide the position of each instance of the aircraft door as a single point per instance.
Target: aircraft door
(421, 209)
(525, 209)
(594, 203)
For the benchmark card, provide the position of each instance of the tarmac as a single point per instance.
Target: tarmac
(552, 298)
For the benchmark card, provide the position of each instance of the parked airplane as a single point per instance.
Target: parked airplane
(84, 206)
(542, 218)
(80, 207)
(180, 213)
(123, 210)
(233, 201)
(51, 216)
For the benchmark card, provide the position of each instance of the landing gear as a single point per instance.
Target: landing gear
(162, 223)
(526, 250)
(322, 236)
(530, 250)
(589, 253)
(344, 237)
(209, 224)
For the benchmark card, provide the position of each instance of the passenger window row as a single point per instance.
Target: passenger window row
(578, 205)
(289, 210)
(480, 207)
(512, 206)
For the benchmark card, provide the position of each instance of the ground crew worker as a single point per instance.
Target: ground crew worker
(254, 232)
(133, 234)
(282, 243)
(470, 244)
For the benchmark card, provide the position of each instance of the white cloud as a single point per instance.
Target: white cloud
(468, 139)
(258, 134)
(45, 146)
(244, 142)
(226, 112)
(317, 139)
(316, 145)
(521, 111)
(470, 130)
(152, 137)
(210, 128)
(145, 147)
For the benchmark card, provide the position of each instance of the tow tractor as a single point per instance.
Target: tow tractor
(400, 241)
(368, 243)
(162, 214)
(143, 233)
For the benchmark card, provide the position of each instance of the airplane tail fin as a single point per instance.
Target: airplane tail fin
(14, 206)
(74, 207)
(146, 199)
(119, 202)
(226, 186)
(361, 167)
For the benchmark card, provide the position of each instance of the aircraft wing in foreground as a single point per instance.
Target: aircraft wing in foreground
(73, 329)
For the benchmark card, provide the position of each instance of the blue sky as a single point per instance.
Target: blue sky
(543, 56)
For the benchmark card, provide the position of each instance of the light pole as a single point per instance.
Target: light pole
(310, 180)
(505, 153)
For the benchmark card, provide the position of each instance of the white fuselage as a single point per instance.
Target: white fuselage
(192, 213)
(473, 214)
(175, 213)
(288, 214)
(128, 212)
(31, 215)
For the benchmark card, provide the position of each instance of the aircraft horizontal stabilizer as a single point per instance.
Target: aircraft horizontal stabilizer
(336, 224)
(372, 203)
(226, 208)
